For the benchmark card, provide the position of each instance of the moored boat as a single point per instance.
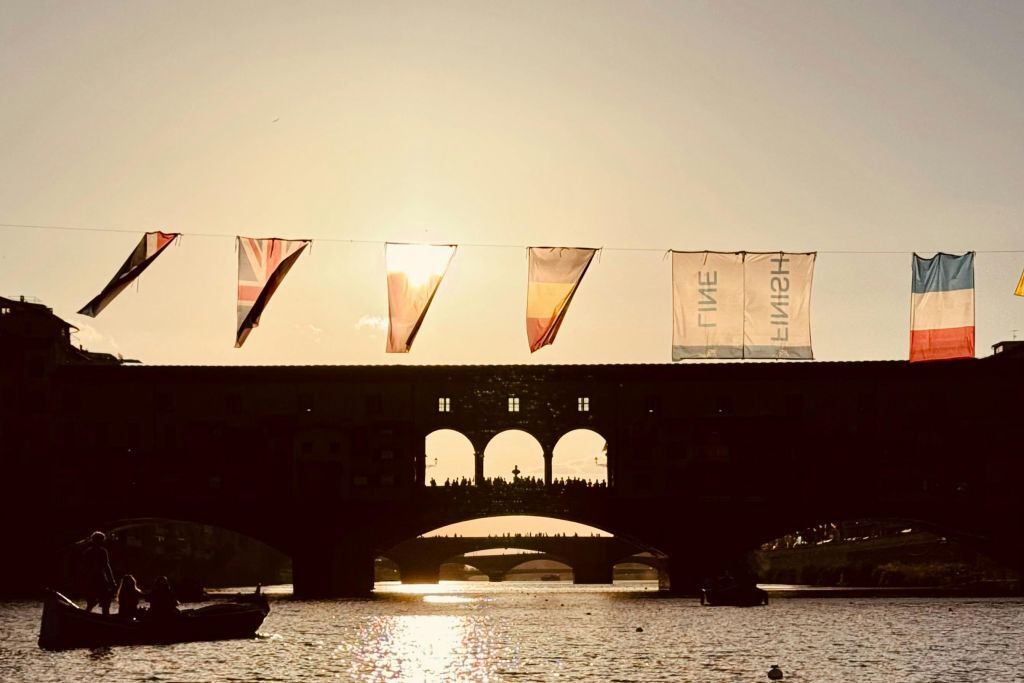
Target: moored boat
(65, 625)
(734, 596)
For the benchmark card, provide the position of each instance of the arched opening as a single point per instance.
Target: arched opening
(580, 456)
(641, 569)
(546, 569)
(498, 547)
(516, 526)
(194, 557)
(489, 564)
(450, 457)
(881, 553)
(514, 455)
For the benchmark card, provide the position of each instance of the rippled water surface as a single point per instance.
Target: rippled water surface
(549, 631)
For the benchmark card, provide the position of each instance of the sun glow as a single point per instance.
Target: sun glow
(420, 263)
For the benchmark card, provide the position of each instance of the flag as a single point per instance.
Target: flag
(777, 305)
(707, 305)
(942, 307)
(145, 253)
(414, 273)
(1020, 286)
(262, 265)
(555, 274)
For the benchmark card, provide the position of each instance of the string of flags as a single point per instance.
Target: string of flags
(725, 305)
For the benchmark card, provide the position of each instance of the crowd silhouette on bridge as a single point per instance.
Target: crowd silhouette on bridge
(528, 482)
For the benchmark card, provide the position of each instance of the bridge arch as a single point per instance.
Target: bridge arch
(581, 454)
(450, 456)
(193, 554)
(514, 449)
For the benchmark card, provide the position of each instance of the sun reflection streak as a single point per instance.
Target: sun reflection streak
(419, 648)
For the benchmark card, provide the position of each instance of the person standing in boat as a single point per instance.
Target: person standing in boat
(162, 602)
(128, 595)
(99, 578)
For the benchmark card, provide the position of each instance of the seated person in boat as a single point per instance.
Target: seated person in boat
(128, 595)
(162, 602)
(99, 579)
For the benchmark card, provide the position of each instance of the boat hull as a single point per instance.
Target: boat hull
(750, 596)
(66, 626)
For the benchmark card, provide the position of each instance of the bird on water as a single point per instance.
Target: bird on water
(775, 673)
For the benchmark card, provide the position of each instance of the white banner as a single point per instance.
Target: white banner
(777, 306)
(707, 305)
(741, 305)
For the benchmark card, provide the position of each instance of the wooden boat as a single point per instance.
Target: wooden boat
(65, 625)
(735, 596)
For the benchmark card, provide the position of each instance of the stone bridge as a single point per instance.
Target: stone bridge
(591, 558)
(705, 460)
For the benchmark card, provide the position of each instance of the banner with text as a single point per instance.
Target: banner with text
(741, 305)
(777, 305)
(707, 305)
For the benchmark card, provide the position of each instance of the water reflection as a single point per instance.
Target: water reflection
(417, 648)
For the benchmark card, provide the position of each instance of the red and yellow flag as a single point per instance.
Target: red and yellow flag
(555, 274)
(1020, 286)
(414, 273)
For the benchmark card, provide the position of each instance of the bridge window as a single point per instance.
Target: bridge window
(513, 404)
(583, 404)
(387, 480)
(444, 405)
(387, 455)
(359, 481)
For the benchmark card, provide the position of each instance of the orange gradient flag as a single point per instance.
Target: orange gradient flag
(555, 274)
(1020, 286)
(414, 273)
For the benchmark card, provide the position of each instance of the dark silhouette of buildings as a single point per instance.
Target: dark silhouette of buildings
(327, 464)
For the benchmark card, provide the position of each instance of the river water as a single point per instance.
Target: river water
(475, 631)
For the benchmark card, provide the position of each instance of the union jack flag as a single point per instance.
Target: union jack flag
(262, 265)
(144, 254)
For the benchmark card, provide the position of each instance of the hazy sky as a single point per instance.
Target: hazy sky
(722, 125)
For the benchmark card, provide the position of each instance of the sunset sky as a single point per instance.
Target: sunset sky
(829, 126)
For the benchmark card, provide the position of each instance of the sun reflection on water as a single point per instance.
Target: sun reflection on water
(419, 648)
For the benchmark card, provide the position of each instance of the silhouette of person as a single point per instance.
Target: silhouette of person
(162, 602)
(99, 578)
(128, 595)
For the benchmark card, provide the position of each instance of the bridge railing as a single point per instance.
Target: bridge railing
(514, 499)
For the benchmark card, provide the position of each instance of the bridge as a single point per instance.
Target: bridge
(327, 463)
(498, 568)
(591, 558)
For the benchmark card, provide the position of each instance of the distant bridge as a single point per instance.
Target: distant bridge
(591, 558)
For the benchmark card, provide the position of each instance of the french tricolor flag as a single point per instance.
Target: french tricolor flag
(942, 307)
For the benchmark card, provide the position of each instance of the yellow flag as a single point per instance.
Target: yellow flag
(1020, 286)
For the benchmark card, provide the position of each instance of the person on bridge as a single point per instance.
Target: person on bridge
(162, 603)
(99, 578)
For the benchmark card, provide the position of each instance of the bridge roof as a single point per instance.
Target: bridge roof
(608, 371)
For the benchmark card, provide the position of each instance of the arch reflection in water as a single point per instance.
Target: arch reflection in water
(420, 648)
